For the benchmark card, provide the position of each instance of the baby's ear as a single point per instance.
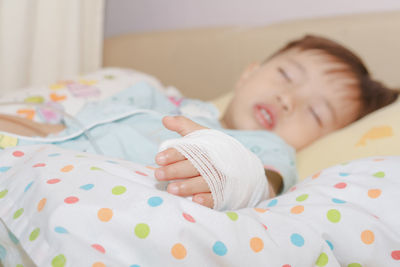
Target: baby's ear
(247, 73)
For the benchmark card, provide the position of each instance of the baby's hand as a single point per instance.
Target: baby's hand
(174, 166)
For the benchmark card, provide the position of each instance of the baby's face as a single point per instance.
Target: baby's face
(299, 95)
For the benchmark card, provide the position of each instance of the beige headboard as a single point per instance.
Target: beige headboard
(205, 63)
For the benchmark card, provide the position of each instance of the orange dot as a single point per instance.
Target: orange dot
(98, 264)
(151, 167)
(367, 237)
(105, 214)
(374, 193)
(41, 204)
(297, 209)
(256, 244)
(260, 210)
(178, 251)
(379, 159)
(315, 176)
(67, 168)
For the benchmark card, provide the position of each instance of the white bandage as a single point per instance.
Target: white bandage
(235, 175)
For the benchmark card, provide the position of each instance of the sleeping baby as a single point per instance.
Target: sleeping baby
(306, 90)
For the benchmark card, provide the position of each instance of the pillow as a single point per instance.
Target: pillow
(377, 134)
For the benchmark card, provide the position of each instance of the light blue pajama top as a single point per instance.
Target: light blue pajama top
(128, 126)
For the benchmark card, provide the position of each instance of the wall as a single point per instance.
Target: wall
(126, 16)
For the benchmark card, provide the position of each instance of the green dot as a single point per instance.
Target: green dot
(142, 230)
(232, 215)
(34, 234)
(333, 215)
(18, 213)
(19, 265)
(322, 260)
(94, 168)
(118, 190)
(3, 193)
(379, 174)
(354, 265)
(302, 197)
(59, 261)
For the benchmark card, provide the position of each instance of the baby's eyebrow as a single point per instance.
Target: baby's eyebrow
(298, 65)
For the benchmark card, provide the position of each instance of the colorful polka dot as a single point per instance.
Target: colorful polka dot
(374, 193)
(54, 155)
(329, 244)
(367, 237)
(13, 238)
(53, 181)
(34, 234)
(99, 248)
(188, 217)
(232, 215)
(396, 255)
(259, 210)
(344, 174)
(67, 168)
(333, 215)
(3, 253)
(340, 185)
(4, 168)
(59, 261)
(18, 154)
(178, 251)
(105, 214)
(272, 203)
(286, 265)
(18, 213)
(256, 244)
(297, 209)
(118, 190)
(71, 200)
(142, 230)
(41, 204)
(87, 187)
(60, 230)
(297, 240)
(379, 174)
(338, 201)
(3, 193)
(39, 165)
(154, 201)
(141, 173)
(134, 265)
(94, 168)
(219, 248)
(354, 264)
(302, 197)
(28, 186)
(315, 176)
(98, 264)
(322, 260)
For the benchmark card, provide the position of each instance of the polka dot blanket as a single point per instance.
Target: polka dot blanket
(63, 208)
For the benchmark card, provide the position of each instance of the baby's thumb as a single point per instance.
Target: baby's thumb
(181, 125)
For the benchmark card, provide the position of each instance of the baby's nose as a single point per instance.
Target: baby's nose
(286, 100)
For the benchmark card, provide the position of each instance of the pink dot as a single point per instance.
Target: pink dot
(99, 248)
(18, 154)
(39, 165)
(292, 189)
(396, 255)
(71, 200)
(286, 265)
(340, 185)
(53, 181)
(265, 227)
(141, 173)
(188, 217)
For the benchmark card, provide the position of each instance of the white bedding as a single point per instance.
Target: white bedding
(65, 208)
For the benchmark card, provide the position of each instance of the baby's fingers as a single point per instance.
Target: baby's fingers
(204, 199)
(177, 170)
(188, 187)
(168, 156)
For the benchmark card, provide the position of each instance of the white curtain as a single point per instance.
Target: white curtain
(42, 41)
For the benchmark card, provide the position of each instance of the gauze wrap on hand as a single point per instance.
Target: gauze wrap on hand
(234, 174)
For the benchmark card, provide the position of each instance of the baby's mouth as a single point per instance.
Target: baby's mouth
(264, 116)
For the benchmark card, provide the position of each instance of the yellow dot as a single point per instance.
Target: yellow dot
(105, 214)
(256, 244)
(374, 193)
(367, 237)
(98, 264)
(297, 209)
(260, 210)
(41, 204)
(178, 251)
(67, 168)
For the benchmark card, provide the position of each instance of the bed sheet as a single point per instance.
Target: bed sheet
(64, 208)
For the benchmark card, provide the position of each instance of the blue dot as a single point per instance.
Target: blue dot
(3, 252)
(155, 201)
(4, 168)
(114, 162)
(54, 155)
(134, 265)
(297, 240)
(329, 244)
(28, 186)
(87, 186)
(338, 201)
(60, 230)
(219, 248)
(343, 174)
(13, 238)
(272, 203)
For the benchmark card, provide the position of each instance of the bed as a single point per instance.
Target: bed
(63, 208)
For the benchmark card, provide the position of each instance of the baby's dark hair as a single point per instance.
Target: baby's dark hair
(374, 94)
